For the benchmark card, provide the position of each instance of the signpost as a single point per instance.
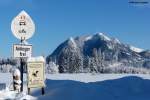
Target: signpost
(22, 28)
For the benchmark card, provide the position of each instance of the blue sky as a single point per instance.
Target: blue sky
(57, 20)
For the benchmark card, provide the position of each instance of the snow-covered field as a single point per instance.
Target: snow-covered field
(86, 87)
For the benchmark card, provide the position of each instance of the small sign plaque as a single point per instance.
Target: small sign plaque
(22, 51)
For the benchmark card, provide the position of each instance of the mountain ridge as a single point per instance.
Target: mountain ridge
(100, 51)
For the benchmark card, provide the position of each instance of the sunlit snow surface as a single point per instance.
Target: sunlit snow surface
(136, 49)
(89, 87)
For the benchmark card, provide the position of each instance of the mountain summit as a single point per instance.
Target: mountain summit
(98, 53)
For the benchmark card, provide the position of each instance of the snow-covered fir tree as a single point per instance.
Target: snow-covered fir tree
(52, 68)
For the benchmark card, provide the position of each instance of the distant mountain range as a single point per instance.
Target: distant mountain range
(98, 53)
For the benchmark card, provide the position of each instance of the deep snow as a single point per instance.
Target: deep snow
(90, 87)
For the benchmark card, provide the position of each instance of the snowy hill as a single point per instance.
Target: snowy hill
(95, 53)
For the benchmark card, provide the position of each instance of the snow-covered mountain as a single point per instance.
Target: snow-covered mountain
(97, 53)
(136, 49)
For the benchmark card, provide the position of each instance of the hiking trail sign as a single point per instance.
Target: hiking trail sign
(23, 51)
(22, 26)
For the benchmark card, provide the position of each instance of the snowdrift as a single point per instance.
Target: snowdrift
(89, 87)
(125, 88)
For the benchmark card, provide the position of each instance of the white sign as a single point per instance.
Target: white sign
(22, 26)
(35, 70)
(20, 50)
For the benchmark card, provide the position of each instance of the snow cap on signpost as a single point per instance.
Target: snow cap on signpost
(35, 59)
(16, 72)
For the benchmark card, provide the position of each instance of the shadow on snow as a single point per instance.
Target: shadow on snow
(126, 88)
